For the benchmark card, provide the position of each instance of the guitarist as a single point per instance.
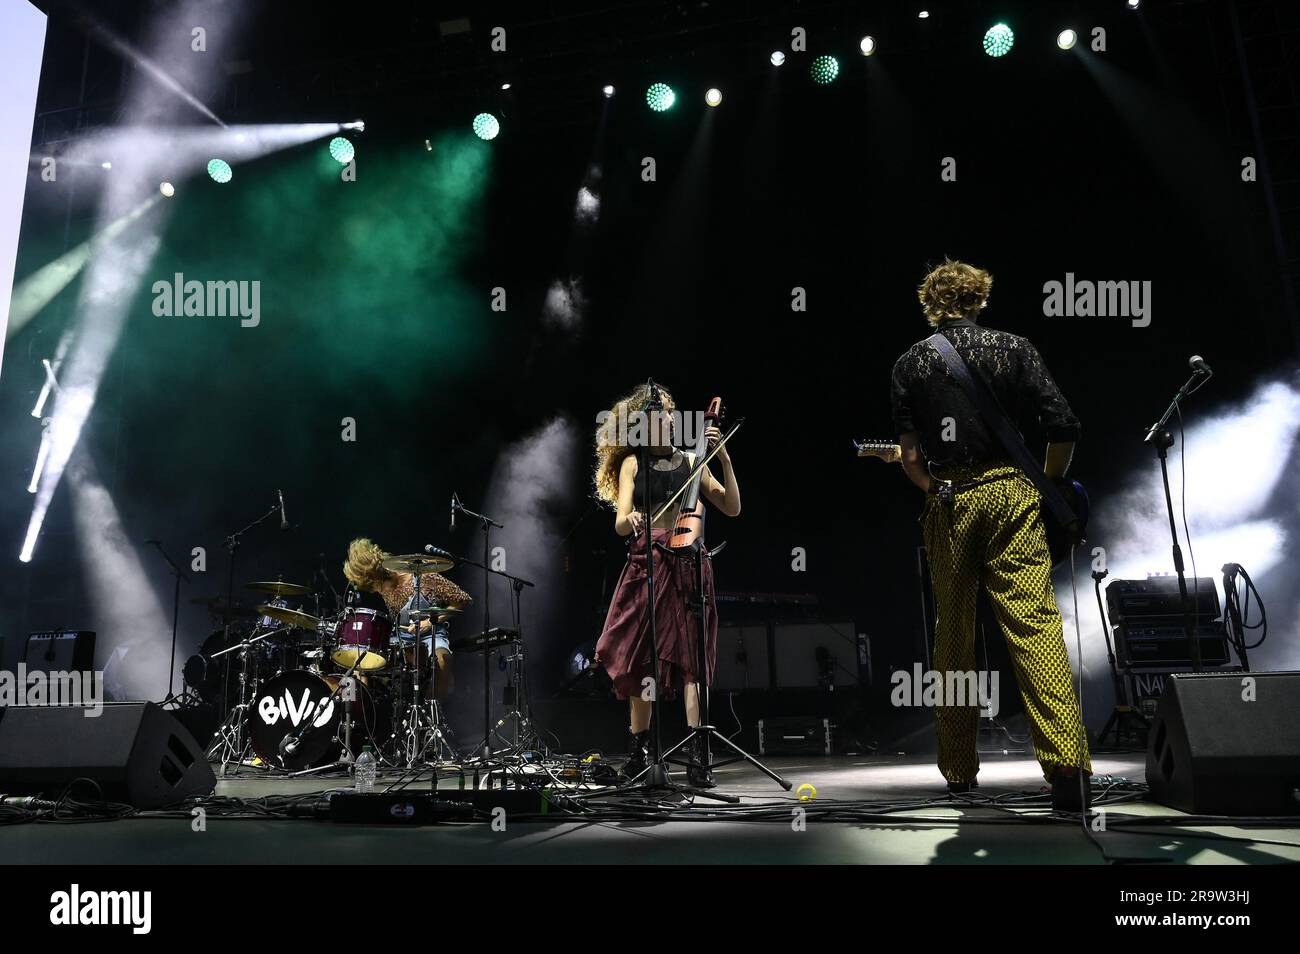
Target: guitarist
(983, 525)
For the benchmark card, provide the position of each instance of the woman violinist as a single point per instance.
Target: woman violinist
(624, 648)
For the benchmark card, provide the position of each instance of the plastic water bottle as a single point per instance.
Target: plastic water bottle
(364, 772)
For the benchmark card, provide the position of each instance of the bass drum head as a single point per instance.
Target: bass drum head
(291, 701)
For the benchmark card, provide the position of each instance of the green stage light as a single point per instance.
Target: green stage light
(486, 126)
(998, 40)
(825, 69)
(219, 170)
(660, 97)
(342, 150)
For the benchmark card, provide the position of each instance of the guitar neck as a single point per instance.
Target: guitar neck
(884, 450)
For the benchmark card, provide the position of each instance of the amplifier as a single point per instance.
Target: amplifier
(1164, 643)
(1159, 596)
(796, 735)
(60, 651)
(1146, 686)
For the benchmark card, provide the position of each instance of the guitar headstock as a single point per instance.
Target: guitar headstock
(888, 451)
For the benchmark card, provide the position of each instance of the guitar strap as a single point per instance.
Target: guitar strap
(986, 403)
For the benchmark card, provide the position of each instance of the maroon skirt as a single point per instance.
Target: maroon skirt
(624, 646)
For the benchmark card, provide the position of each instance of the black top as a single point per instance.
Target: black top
(663, 483)
(923, 393)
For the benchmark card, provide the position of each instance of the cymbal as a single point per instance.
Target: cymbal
(442, 612)
(280, 589)
(418, 562)
(291, 616)
(217, 607)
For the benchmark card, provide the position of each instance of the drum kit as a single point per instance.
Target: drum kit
(303, 693)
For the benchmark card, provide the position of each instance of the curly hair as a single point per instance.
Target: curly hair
(364, 566)
(953, 291)
(610, 453)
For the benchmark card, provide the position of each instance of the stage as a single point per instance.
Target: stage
(1007, 822)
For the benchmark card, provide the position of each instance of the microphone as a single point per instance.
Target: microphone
(1197, 363)
(455, 504)
(430, 549)
(289, 745)
(284, 518)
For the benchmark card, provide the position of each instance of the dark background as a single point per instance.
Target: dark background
(1125, 170)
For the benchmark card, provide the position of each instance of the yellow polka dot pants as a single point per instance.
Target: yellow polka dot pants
(993, 534)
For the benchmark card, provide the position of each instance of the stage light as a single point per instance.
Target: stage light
(1132, 4)
(1066, 39)
(824, 69)
(342, 150)
(713, 97)
(868, 45)
(358, 125)
(608, 91)
(660, 97)
(998, 40)
(167, 189)
(219, 170)
(486, 126)
(923, 14)
(505, 85)
(777, 57)
(106, 165)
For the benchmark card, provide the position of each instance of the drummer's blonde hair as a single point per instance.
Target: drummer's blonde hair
(364, 566)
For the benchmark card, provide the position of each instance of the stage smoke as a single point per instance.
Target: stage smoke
(1240, 509)
(565, 304)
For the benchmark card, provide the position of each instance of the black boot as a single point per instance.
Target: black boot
(698, 775)
(638, 754)
(1066, 794)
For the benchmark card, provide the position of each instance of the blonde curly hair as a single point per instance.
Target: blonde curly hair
(609, 452)
(364, 566)
(953, 291)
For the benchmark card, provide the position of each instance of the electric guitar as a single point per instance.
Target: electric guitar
(1060, 538)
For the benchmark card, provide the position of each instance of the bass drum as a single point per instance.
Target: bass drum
(298, 703)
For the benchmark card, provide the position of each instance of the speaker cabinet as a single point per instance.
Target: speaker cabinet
(1219, 746)
(136, 752)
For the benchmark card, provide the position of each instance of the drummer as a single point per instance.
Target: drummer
(364, 570)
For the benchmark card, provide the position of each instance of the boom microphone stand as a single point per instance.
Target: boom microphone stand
(179, 575)
(1161, 439)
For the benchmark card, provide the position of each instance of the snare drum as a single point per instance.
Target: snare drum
(362, 633)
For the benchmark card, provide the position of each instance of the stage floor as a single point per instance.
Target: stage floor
(998, 826)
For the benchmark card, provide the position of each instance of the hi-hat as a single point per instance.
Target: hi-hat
(418, 563)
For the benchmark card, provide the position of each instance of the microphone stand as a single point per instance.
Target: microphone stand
(487, 523)
(234, 751)
(1161, 439)
(179, 575)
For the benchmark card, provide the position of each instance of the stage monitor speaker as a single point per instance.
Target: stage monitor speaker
(1215, 749)
(136, 752)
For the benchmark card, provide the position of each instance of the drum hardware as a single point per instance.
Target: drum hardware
(279, 589)
(232, 744)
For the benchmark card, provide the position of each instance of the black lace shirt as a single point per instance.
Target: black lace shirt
(926, 398)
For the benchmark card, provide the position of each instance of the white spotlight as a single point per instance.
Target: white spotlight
(868, 45)
(777, 57)
(713, 97)
(1133, 4)
(505, 85)
(358, 125)
(1066, 39)
(608, 91)
(923, 14)
(106, 165)
(167, 189)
